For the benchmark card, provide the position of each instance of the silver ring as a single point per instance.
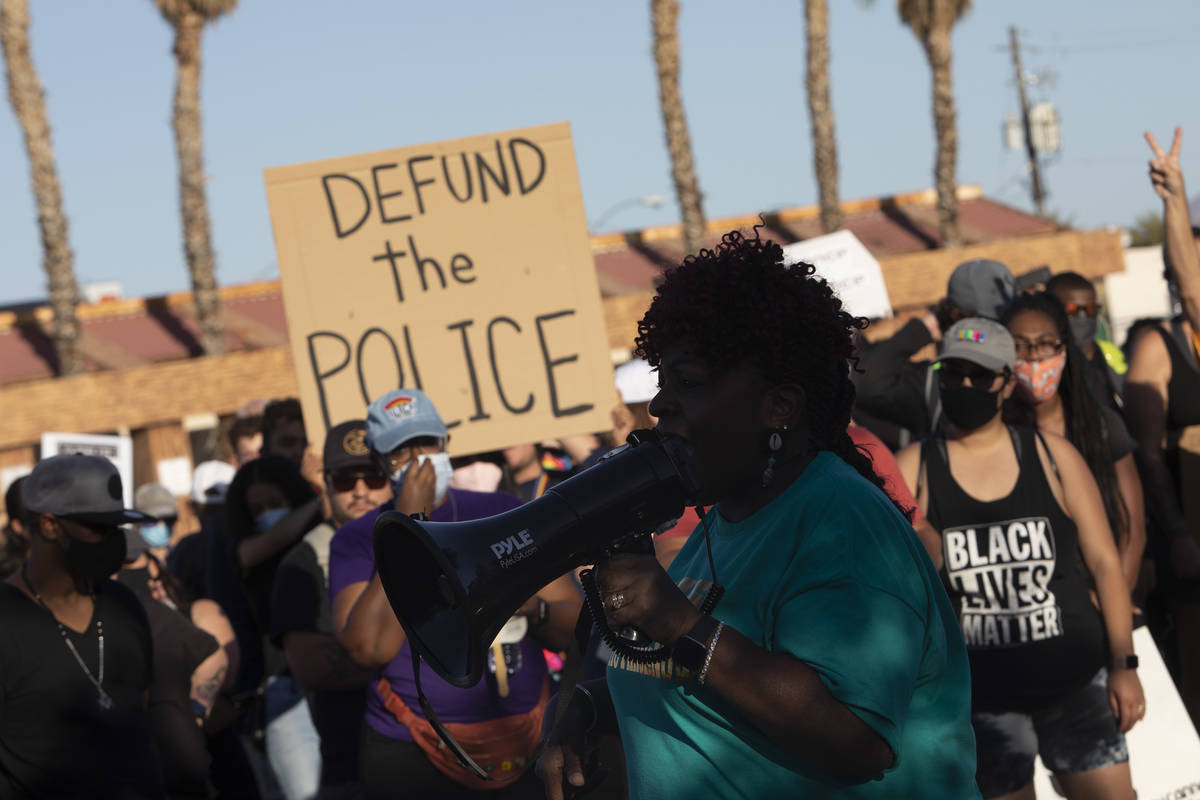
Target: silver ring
(616, 600)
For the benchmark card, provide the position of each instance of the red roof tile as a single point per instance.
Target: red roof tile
(125, 332)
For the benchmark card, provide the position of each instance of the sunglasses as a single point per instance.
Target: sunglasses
(1091, 309)
(952, 376)
(346, 481)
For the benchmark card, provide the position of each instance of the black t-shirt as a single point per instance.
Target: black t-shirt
(55, 739)
(300, 602)
(187, 562)
(179, 648)
(1120, 442)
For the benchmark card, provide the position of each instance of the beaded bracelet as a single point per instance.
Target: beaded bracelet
(712, 646)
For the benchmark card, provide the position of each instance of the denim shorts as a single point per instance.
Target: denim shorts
(1075, 733)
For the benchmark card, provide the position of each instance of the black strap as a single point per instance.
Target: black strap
(570, 679)
(1049, 455)
(921, 471)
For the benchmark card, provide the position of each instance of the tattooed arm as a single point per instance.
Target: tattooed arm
(206, 683)
(208, 617)
(317, 661)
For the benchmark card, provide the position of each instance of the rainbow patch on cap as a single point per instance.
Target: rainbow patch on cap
(969, 335)
(401, 407)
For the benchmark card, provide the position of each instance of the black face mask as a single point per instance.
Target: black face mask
(136, 579)
(1083, 330)
(95, 561)
(969, 407)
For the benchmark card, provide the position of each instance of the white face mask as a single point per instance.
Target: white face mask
(441, 469)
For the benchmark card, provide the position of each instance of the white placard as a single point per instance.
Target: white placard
(176, 475)
(10, 474)
(117, 449)
(855, 275)
(1164, 750)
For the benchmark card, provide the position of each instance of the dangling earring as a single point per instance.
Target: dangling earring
(774, 445)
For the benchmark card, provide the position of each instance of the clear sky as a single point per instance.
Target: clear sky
(297, 80)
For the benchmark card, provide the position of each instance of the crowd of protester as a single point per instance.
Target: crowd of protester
(1001, 514)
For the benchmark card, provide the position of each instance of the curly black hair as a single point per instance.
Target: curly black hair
(740, 303)
(1082, 414)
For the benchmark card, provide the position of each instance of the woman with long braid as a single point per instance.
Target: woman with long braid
(832, 666)
(1053, 377)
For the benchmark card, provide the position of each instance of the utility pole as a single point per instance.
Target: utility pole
(1039, 193)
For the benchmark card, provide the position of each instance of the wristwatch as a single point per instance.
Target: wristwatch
(1126, 662)
(691, 649)
(539, 618)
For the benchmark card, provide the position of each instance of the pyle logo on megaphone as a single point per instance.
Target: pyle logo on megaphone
(517, 547)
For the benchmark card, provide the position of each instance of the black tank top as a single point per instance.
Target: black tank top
(1015, 575)
(1183, 392)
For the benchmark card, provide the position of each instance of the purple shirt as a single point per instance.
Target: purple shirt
(352, 560)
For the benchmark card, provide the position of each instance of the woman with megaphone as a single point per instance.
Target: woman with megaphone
(833, 664)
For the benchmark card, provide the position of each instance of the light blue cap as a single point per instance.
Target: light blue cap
(400, 415)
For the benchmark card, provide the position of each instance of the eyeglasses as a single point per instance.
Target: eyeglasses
(1091, 309)
(346, 481)
(952, 376)
(1039, 350)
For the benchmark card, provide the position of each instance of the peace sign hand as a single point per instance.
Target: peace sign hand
(1165, 173)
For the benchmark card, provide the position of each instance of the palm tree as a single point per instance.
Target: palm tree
(932, 21)
(29, 104)
(663, 15)
(820, 113)
(187, 18)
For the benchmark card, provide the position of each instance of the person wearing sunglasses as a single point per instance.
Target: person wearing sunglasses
(498, 719)
(1024, 536)
(1105, 361)
(301, 620)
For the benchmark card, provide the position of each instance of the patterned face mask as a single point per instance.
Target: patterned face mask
(1041, 378)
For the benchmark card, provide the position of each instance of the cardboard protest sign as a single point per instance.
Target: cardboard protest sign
(462, 268)
(851, 270)
(117, 449)
(1164, 750)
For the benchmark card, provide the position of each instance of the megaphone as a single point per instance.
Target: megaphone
(453, 585)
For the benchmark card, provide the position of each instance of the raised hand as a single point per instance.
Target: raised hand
(1165, 174)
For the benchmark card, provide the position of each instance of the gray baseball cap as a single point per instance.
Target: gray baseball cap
(79, 487)
(156, 500)
(980, 341)
(400, 415)
(981, 287)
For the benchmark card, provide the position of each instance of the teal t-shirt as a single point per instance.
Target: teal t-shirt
(833, 574)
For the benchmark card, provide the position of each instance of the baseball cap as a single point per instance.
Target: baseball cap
(981, 287)
(156, 500)
(79, 487)
(346, 446)
(210, 481)
(636, 381)
(400, 415)
(981, 341)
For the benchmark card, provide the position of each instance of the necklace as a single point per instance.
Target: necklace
(104, 699)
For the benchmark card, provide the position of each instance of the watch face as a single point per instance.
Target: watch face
(689, 653)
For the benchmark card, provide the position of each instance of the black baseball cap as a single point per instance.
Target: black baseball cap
(346, 447)
(78, 487)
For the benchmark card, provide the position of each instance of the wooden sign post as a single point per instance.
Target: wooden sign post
(461, 268)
